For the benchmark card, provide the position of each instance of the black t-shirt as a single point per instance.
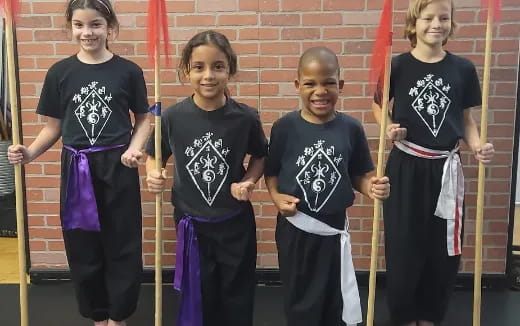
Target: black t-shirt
(209, 148)
(93, 100)
(316, 163)
(429, 98)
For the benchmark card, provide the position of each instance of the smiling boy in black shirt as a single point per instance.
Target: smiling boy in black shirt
(317, 156)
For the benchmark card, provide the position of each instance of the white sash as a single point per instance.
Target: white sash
(451, 196)
(349, 289)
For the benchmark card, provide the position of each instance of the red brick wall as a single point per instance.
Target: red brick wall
(269, 35)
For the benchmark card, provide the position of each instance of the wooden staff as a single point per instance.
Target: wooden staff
(383, 44)
(157, 22)
(378, 202)
(158, 197)
(482, 170)
(20, 216)
(161, 24)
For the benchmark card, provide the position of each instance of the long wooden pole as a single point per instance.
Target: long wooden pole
(20, 216)
(378, 202)
(482, 171)
(158, 196)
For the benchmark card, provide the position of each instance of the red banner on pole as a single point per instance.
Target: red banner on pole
(11, 8)
(382, 43)
(157, 24)
(494, 5)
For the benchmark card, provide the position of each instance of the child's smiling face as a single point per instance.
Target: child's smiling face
(319, 86)
(90, 30)
(433, 26)
(208, 72)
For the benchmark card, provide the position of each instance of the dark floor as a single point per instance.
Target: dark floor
(54, 305)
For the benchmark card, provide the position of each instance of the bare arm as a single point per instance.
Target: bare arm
(471, 136)
(141, 131)
(47, 137)
(393, 130)
(272, 185)
(371, 186)
(155, 179)
(150, 164)
(286, 204)
(255, 169)
(376, 109)
(244, 189)
(133, 154)
(483, 153)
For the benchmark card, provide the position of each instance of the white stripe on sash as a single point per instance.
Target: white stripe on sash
(451, 196)
(349, 290)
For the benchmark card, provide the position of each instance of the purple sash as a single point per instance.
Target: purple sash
(187, 269)
(80, 209)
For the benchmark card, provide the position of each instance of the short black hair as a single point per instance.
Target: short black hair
(320, 54)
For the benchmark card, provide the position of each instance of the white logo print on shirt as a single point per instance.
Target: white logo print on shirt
(319, 175)
(93, 111)
(208, 168)
(431, 101)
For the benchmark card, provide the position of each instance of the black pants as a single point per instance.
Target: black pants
(227, 253)
(310, 273)
(106, 266)
(420, 274)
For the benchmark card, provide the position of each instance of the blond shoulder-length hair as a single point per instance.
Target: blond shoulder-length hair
(414, 12)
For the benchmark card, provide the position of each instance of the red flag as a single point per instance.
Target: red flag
(382, 43)
(157, 23)
(487, 5)
(11, 8)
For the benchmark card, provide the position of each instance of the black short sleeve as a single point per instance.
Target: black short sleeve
(49, 103)
(165, 145)
(361, 162)
(139, 101)
(472, 94)
(276, 148)
(257, 145)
